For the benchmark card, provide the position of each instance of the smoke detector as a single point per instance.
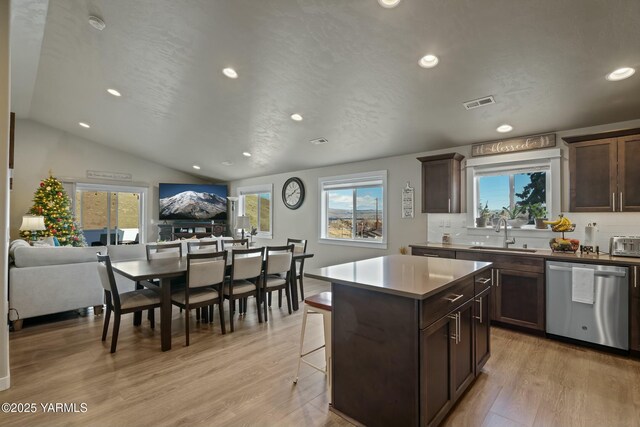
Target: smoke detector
(319, 141)
(97, 23)
(480, 102)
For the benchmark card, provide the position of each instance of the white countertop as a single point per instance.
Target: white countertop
(404, 275)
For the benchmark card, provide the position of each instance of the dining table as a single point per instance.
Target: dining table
(165, 269)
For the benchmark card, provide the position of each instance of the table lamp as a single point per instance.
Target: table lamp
(243, 223)
(32, 223)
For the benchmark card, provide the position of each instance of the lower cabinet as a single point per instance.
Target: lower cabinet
(482, 310)
(519, 298)
(634, 310)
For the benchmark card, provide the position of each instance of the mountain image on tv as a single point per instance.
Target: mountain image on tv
(192, 204)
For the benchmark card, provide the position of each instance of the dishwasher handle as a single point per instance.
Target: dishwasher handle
(595, 273)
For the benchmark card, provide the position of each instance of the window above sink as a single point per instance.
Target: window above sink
(512, 180)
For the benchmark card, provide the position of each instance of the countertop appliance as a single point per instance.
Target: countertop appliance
(625, 246)
(605, 321)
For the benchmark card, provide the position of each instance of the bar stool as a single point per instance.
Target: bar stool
(318, 304)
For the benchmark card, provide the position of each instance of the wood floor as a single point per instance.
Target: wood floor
(245, 378)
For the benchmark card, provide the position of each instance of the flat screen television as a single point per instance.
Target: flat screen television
(196, 202)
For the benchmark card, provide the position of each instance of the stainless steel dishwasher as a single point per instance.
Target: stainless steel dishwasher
(606, 321)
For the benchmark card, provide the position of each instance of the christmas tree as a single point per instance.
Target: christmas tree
(51, 201)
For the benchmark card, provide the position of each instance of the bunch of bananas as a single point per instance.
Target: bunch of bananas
(561, 224)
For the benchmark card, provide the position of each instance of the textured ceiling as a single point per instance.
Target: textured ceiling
(349, 67)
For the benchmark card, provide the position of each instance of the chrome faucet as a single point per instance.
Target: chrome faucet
(507, 241)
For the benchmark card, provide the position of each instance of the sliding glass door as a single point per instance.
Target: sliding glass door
(110, 215)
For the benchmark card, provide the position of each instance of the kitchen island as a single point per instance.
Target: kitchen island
(409, 336)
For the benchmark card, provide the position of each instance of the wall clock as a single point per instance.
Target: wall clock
(293, 193)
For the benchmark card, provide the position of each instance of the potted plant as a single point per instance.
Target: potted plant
(539, 213)
(483, 215)
(516, 217)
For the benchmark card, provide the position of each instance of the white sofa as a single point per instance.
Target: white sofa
(45, 280)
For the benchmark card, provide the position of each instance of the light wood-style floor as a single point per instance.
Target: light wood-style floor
(245, 378)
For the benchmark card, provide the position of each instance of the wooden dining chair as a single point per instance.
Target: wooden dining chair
(122, 303)
(277, 273)
(234, 244)
(202, 246)
(244, 280)
(205, 277)
(164, 250)
(299, 247)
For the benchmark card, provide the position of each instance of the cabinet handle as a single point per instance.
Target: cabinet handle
(620, 202)
(497, 277)
(449, 208)
(456, 334)
(483, 281)
(613, 201)
(479, 301)
(431, 255)
(457, 297)
(635, 276)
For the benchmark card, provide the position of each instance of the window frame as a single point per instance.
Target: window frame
(549, 160)
(346, 180)
(257, 189)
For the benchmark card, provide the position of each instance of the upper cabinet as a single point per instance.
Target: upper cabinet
(441, 183)
(603, 172)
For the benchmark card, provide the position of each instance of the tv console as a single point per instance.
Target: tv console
(187, 230)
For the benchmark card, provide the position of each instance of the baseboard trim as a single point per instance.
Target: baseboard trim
(5, 382)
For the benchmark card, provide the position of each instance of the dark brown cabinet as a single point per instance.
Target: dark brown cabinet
(482, 309)
(634, 311)
(519, 298)
(433, 253)
(603, 174)
(441, 183)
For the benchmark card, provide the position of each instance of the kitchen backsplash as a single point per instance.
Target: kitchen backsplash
(607, 225)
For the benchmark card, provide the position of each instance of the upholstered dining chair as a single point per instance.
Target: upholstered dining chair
(276, 275)
(202, 246)
(299, 247)
(205, 277)
(164, 250)
(122, 303)
(244, 280)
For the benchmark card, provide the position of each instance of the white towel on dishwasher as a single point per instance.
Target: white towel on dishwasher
(582, 285)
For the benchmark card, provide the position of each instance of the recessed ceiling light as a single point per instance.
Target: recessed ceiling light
(230, 72)
(504, 128)
(196, 167)
(114, 92)
(227, 163)
(296, 117)
(620, 74)
(97, 23)
(246, 154)
(388, 3)
(428, 61)
(84, 125)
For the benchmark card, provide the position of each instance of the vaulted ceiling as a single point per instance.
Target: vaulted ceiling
(349, 67)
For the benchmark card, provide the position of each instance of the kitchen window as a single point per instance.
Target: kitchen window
(255, 202)
(510, 180)
(353, 209)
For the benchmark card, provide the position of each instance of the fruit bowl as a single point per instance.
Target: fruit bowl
(564, 245)
(562, 228)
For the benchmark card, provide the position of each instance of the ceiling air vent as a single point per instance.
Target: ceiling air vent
(319, 141)
(480, 102)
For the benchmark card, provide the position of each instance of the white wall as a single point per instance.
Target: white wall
(303, 222)
(4, 191)
(40, 149)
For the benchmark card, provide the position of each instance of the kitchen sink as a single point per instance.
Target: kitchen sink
(500, 248)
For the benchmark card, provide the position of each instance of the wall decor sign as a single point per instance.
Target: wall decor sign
(407, 201)
(514, 145)
(112, 176)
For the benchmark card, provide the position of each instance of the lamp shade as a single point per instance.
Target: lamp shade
(32, 223)
(243, 222)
